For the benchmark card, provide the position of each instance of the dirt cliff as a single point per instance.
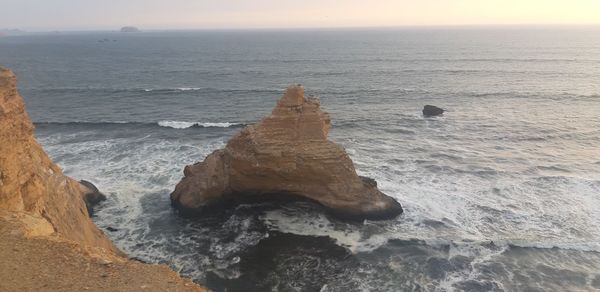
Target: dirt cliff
(30, 182)
(47, 240)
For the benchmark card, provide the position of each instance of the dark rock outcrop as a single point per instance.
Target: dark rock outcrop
(286, 155)
(92, 196)
(430, 111)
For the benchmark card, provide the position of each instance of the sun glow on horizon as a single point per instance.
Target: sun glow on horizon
(162, 14)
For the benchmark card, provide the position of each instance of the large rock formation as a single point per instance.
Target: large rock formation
(30, 182)
(47, 240)
(285, 155)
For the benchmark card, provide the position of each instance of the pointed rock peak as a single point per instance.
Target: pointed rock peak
(7, 78)
(284, 156)
(4, 71)
(294, 96)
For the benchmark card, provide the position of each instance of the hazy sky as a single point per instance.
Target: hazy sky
(180, 14)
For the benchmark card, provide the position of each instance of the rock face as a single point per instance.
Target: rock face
(30, 183)
(430, 111)
(47, 240)
(286, 155)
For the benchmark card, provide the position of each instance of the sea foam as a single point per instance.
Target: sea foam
(173, 89)
(185, 125)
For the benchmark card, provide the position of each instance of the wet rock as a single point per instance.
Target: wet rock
(369, 181)
(92, 196)
(111, 229)
(286, 155)
(430, 111)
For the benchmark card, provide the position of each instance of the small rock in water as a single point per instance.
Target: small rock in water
(92, 196)
(430, 111)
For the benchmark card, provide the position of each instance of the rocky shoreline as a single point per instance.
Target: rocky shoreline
(49, 242)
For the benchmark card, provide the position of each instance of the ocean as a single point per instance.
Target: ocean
(501, 193)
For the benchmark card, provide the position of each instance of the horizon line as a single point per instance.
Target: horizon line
(141, 28)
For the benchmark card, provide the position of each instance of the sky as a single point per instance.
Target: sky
(40, 15)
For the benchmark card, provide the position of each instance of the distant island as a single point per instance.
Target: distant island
(129, 29)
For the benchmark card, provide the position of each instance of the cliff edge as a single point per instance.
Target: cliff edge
(286, 155)
(47, 240)
(30, 182)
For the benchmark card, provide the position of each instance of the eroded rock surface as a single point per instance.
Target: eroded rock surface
(285, 155)
(47, 240)
(30, 182)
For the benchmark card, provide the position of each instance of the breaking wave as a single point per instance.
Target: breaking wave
(174, 89)
(166, 124)
(185, 125)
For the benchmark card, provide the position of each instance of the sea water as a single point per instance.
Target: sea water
(501, 193)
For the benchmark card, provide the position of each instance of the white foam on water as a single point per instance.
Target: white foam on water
(173, 89)
(127, 169)
(218, 125)
(185, 125)
(176, 124)
(457, 207)
(313, 225)
(463, 197)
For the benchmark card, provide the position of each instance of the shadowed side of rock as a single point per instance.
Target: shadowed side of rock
(91, 196)
(286, 154)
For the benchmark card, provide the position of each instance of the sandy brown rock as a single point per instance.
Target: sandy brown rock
(47, 240)
(287, 154)
(50, 263)
(30, 182)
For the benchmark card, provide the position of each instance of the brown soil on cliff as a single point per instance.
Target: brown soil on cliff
(53, 264)
(47, 240)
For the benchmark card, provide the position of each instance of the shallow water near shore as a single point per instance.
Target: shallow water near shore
(500, 193)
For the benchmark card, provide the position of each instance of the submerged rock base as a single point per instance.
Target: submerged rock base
(286, 155)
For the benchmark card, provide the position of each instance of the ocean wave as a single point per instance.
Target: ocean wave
(499, 245)
(166, 124)
(185, 125)
(173, 89)
(91, 123)
(577, 246)
(160, 90)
